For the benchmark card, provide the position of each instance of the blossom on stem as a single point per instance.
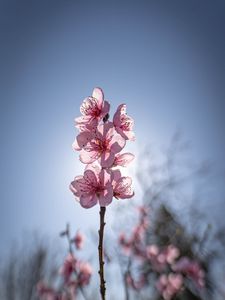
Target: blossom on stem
(69, 266)
(105, 143)
(123, 123)
(93, 187)
(93, 109)
(122, 186)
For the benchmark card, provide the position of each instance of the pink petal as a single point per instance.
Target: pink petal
(123, 159)
(95, 167)
(116, 174)
(105, 108)
(83, 119)
(117, 143)
(123, 188)
(74, 188)
(105, 130)
(99, 95)
(120, 110)
(88, 157)
(88, 200)
(105, 197)
(129, 135)
(107, 159)
(81, 140)
(90, 178)
(105, 178)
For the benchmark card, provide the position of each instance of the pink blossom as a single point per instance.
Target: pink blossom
(68, 267)
(123, 123)
(126, 245)
(122, 186)
(192, 269)
(104, 145)
(45, 292)
(123, 159)
(169, 285)
(85, 272)
(94, 186)
(79, 240)
(135, 284)
(93, 109)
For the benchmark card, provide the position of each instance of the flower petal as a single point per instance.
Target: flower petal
(105, 178)
(88, 157)
(107, 159)
(88, 200)
(123, 159)
(90, 178)
(105, 108)
(105, 197)
(81, 140)
(117, 143)
(99, 95)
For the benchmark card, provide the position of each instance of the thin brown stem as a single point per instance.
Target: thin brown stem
(71, 252)
(101, 253)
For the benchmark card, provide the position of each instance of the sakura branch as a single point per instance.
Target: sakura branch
(100, 142)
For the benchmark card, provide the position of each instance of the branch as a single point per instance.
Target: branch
(100, 252)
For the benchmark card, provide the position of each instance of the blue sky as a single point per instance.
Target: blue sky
(165, 59)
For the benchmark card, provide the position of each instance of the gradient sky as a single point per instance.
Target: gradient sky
(165, 59)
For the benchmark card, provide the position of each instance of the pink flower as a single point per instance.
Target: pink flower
(169, 285)
(122, 186)
(123, 123)
(45, 292)
(104, 145)
(123, 159)
(95, 186)
(68, 267)
(93, 109)
(85, 272)
(192, 269)
(82, 139)
(79, 240)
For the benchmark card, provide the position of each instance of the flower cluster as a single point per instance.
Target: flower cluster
(75, 274)
(100, 143)
(172, 270)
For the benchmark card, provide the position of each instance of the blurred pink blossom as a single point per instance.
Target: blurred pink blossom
(169, 285)
(191, 269)
(79, 240)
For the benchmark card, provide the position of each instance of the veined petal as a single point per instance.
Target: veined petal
(81, 140)
(99, 95)
(129, 135)
(88, 157)
(120, 110)
(107, 159)
(123, 159)
(106, 196)
(90, 177)
(116, 174)
(105, 108)
(117, 143)
(105, 178)
(123, 188)
(105, 129)
(88, 200)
